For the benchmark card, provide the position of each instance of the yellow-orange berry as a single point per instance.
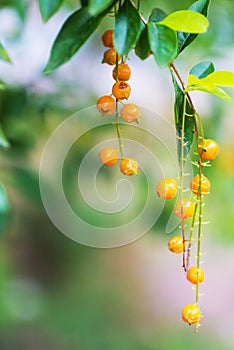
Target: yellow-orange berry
(129, 166)
(121, 90)
(108, 156)
(106, 105)
(124, 72)
(195, 275)
(184, 209)
(110, 56)
(208, 149)
(195, 185)
(175, 244)
(130, 112)
(167, 188)
(107, 38)
(191, 314)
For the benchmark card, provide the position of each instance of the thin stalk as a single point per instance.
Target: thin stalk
(117, 112)
(191, 237)
(182, 181)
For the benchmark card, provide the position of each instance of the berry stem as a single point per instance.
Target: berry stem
(182, 181)
(191, 236)
(117, 112)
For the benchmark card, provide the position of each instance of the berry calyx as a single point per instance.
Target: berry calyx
(167, 188)
(208, 149)
(195, 275)
(205, 185)
(106, 105)
(108, 156)
(121, 90)
(110, 56)
(130, 113)
(191, 314)
(107, 38)
(175, 244)
(129, 166)
(184, 209)
(124, 72)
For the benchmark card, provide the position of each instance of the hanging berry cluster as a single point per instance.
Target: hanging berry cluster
(109, 104)
(185, 208)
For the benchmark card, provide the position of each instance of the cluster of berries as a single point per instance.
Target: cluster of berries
(108, 104)
(184, 209)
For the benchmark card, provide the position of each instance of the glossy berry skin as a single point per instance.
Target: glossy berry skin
(108, 156)
(195, 275)
(129, 166)
(184, 209)
(107, 38)
(121, 90)
(130, 113)
(110, 56)
(124, 72)
(191, 314)
(205, 185)
(106, 105)
(167, 188)
(175, 244)
(208, 149)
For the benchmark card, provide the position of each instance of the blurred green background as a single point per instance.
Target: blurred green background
(57, 294)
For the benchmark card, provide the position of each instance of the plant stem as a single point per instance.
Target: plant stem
(191, 237)
(182, 182)
(117, 112)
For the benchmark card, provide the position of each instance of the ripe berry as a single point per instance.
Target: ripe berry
(106, 105)
(107, 38)
(110, 56)
(167, 188)
(195, 275)
(129, 166)
(121, 90)
(108, 156)
(124, 72)
(175, 244)
(184, 209)
(209, 149)
(130, 113)
(205, 185)
(191, 313)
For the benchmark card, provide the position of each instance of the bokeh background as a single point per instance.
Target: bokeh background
(58, 294)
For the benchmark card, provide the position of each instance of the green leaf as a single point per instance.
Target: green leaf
(201, 70)
(49, 8)
(26, 181)
(163, 43)
(157, 15)
(97, 6)
(4, 208)
(4, 203)
(142, 47)
(2, 85)
(73, 34)
(186, 39)
(3, 140)
(220, 78)
(206, 85)
(186, 21)
(189, 121)
(127, 29)
(4, 55)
